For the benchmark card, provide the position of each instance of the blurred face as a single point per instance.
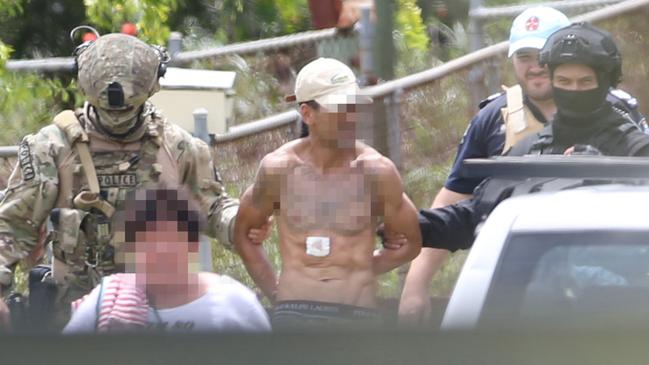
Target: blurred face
(534, 79)
(161, 254)
(335, 125)
(574, 77)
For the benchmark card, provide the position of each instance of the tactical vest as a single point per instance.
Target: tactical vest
(621, 140)
(519, 120)
(93, 182)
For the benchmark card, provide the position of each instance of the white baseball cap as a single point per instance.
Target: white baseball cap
(534, 26)
(328, 82)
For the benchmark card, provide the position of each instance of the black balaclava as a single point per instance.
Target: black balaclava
(581, 114)
(581, 105)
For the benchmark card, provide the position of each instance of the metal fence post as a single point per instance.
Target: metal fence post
(394, 127)
(478, 90)
(365, 40)
(200, 125)
(383, 40)
(205, 244)
(175, 43)
(384, 66)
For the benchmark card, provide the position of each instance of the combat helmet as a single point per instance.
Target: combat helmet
(117, 73)
(584, 44)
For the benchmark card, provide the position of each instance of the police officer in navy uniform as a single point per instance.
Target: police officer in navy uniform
(584, 64)
(503, 120)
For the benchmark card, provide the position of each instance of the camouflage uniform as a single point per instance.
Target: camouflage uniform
(50, 174)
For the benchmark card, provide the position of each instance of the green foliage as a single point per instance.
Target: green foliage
(411, 40)
(5, 52)
(28, 100)
(150, 16)
(240, 20)
(294, 14)
(410, 24)
(258, 92)
(11, 8)
(153, 22)
(109, 15)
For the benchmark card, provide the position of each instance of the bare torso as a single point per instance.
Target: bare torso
(331, 208)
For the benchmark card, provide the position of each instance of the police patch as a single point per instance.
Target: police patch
(117, 180)
(25, 160)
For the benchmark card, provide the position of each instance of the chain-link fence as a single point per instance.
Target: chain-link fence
(266, 69)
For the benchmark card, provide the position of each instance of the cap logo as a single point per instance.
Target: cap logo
(532, 24)
(339, 79)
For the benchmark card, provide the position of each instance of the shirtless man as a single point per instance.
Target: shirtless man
(329, 192)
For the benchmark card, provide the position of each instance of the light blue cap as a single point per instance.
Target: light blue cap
(533, 27)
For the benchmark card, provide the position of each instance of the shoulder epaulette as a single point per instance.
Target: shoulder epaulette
(489, 99)
(70, 125)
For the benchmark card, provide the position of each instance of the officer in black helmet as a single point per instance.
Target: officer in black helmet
(584, 63)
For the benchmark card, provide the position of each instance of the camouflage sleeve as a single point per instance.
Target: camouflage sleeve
(30, 195)
(205, 183)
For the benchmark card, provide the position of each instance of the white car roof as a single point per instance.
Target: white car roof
(604, 207)
(598, 207)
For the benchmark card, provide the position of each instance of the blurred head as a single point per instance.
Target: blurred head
(584, 64)
(161, 228)
(330, 101)
(117, 73)
(528, 34)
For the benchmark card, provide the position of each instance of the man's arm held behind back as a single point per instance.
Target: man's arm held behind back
(399, 216)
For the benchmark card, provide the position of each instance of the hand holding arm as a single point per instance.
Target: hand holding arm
(400, 217)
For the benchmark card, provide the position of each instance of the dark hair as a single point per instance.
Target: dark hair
(160, 204)
(312, 103)
(304, 128)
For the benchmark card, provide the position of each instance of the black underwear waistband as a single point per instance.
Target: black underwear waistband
(323, 309)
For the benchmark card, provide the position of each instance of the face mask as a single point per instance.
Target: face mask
(118, 121)
(579, 104)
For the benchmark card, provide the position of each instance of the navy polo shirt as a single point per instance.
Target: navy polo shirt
(484, 137)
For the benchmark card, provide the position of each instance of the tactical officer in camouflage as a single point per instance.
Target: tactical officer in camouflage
(78, 170)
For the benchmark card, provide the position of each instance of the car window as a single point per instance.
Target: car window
(580, 278)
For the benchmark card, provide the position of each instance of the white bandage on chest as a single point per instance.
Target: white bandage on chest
(318, 246)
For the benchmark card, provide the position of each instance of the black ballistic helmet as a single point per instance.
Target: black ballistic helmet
(582, 43)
